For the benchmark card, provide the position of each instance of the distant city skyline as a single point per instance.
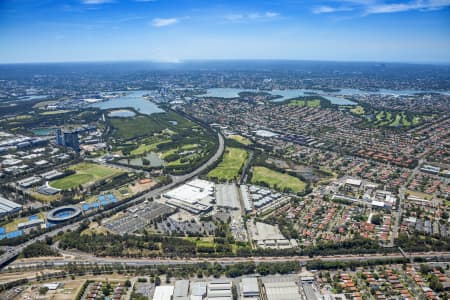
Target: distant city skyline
(175, 31)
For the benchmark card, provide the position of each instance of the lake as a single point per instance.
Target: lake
(44, 131)
(134, 99)
(33, 97)
(334, 97)
(285, 94)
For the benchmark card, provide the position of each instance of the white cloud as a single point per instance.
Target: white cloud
(252, 16)
(359, 2)
(368, 7)
(96, 1)
(390, 8)
(271, 14)
(325, 9)
(161, 22)
(402, 7)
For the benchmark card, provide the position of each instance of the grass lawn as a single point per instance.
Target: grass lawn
(277, 180)
(12, 226)
(387, 118)
(232, 163)
(85, 173)
(358, 110)
(308, 103)
(20, 117)
(178, 163)
(416, 120)
(328, 172)
(202, 242)
(145, 126)
(188, 147)
(46, 198)
(54, 112)
(419, 194)
(143, 148)
(140, 126)
(389, 115)
(168, 152)
(94, 228)
(241, 139)
(397, 120)
(380, 116)
(147, 147)
(405, 121)
(183, 161)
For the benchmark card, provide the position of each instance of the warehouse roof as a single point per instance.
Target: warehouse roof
(250, 285)
(8, 206)
(181, 288)
(163, 292)
(192, 192)
(281, 290)
(198, 289)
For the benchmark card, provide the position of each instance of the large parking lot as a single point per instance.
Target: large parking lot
(184, 222)
(145, 289)
(137, 217)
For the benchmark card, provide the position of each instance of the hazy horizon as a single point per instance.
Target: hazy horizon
(275, 60)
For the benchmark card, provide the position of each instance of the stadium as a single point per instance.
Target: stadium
(63, 213)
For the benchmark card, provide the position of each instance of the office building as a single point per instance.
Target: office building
(71, 140)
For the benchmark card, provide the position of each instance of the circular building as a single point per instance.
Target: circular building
(63, 213)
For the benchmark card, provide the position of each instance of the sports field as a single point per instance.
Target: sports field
(277, 180)
(233, 161)
(84, 173)
(241, 139)
(308, 103)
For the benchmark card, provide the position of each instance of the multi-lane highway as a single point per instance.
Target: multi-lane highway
(84, 258)
(12, 252)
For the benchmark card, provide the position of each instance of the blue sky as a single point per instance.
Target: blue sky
(177, 30)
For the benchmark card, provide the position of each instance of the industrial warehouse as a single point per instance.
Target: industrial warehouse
(8, 207)
(195, 196)
(287, 287)
(185, 290)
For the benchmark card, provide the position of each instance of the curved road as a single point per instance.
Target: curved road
(12, 252)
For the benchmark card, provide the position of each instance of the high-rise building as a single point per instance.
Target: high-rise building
(59, 137)
(71, 140)
(67, 139)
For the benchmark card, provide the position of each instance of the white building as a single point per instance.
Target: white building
(281, 289)
(195, 196)
(8, 207)
(220, 290)
(250, 288)
(198, 291)
(163, 292)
